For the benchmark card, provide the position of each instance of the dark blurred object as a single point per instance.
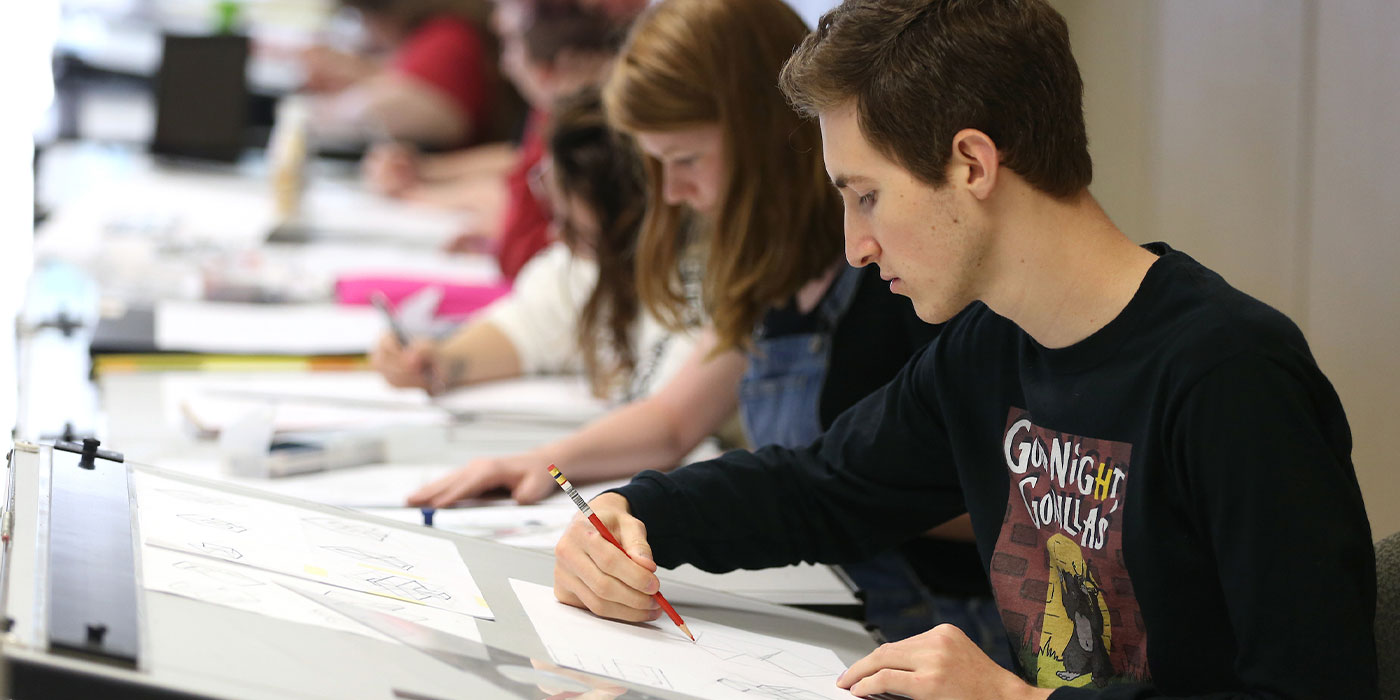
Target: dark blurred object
(202, 98)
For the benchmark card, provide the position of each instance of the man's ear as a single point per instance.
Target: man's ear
(975, 163)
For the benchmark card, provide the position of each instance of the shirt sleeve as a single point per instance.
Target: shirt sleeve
(525, 222)
(540, 315)
(448, 55)
(866, 485)
(1282, 512)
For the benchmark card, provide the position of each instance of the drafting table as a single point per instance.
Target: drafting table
(186, 648)
(140, 416)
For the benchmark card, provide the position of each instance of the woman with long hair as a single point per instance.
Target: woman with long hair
(737, 185)
(575, 306)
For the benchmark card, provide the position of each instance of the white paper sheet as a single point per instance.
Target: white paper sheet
(555, 398)
(537, 526)
(552, 399)
(266, 329)
(373, 486)
(724, 662)
(233, 210)
(339, 209)
(213, 580)
(211, 414)
(307, 544)
(532, 527)
(333, 260)
(240, 587)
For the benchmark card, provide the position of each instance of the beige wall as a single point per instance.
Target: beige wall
(1263, 138)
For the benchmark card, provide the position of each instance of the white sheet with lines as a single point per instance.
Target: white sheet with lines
(723, 662)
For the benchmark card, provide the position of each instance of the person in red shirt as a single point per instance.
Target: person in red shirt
(549, 48)
(435, 83)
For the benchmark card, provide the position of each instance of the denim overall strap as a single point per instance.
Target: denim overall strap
(780, 395)
(780, 399)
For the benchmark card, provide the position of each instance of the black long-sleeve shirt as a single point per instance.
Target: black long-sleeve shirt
(1165, 509)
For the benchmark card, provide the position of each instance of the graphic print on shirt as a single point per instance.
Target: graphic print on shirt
(1057, 571)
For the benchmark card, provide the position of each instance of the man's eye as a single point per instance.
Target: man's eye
(867, 199)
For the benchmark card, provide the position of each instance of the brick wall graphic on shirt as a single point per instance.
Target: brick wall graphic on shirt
(1058, 571)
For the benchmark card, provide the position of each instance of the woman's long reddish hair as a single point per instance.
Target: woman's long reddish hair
(778, 222)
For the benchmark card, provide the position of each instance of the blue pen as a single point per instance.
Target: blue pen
(428, 516)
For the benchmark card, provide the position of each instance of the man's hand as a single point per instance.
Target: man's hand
(940, 664)
(589, 572)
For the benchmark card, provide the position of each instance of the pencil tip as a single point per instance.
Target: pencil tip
(687, 632)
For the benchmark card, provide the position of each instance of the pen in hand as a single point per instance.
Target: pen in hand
(607, 535)
(432, 382)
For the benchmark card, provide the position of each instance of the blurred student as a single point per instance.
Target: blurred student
(795, 334)
(549, 48)
(575, 306)
(430, 78)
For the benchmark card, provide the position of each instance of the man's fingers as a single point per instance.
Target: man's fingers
(598, 605)
(616, 562)
(632, 533)
(608, 587)
(887, 656)
(895, 681)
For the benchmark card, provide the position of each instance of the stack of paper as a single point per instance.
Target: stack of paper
(335, 400)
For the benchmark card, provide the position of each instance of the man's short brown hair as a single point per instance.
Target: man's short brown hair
(921, 70)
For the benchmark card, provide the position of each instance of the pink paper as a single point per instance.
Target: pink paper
(457, 299)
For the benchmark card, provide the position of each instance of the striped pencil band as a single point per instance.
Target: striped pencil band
(569, 489)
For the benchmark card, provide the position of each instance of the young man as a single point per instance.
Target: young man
(1158, 474)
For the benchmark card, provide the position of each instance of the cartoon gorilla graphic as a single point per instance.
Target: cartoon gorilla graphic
(1085, 652)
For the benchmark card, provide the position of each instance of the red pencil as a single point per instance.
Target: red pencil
(603, 530)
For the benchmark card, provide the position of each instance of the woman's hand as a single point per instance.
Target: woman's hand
(525, 476)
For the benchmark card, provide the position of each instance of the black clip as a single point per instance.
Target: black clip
(89, 453)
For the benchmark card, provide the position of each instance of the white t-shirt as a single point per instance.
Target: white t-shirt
(540, 317)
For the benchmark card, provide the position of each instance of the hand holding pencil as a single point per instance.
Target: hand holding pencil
(402, 360)
(603, 563)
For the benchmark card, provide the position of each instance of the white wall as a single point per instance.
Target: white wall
(812, 10)
(1263, 138)
(1352, 280)
(26, 45)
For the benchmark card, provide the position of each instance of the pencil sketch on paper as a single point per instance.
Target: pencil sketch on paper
(358, 554)
(387, 605)
(341, 526)
(768, 690)
(403, 587)
(216, 550)
(727, 648)
(214, 593)
(221, 575)
(197, 497)
(212, 522)
(610, 667)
